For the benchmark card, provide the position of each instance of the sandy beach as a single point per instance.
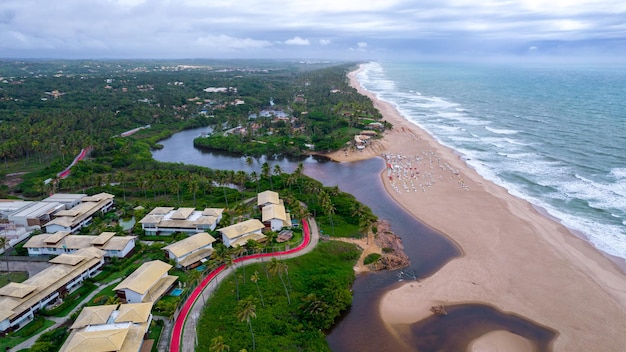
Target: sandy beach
(514, 258)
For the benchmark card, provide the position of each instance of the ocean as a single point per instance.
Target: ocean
(553, 135)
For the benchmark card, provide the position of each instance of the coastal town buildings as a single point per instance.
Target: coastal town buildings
(20, 301)
(111, 328)
(146, 284)
(64, 242)
(191, 251)
(167, 220)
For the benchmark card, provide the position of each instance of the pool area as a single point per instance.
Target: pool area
(176, 292)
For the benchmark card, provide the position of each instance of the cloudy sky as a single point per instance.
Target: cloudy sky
(325, 29)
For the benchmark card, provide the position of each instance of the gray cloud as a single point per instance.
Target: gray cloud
(328, 28)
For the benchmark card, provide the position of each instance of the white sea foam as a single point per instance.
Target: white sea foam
(545, 176)
(516, 142)
(619, 173)
(500, 131)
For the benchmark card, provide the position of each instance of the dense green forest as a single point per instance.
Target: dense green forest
(49, 110)
(324, 113)
(52, 109)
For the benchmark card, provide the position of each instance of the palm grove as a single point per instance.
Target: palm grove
(50, 110)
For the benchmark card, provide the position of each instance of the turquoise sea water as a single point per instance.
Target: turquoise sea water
(553, 135)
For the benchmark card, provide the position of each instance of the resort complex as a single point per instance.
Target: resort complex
(20, 301)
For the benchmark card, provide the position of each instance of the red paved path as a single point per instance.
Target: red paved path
(180, 320)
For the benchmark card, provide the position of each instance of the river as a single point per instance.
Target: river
(361, 329)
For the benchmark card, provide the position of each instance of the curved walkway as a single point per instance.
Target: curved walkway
(184, 332)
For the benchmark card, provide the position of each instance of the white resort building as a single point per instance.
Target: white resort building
(266, 198)
(64, 242)
(167, 220)
(111, 328)
(274, 215)
(146, 284)
(81, 210)
(238, 234)
(19, 301)
(191, 251)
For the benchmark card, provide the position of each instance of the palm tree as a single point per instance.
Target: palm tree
(246, 310)
(143, 184)
(193, 188)
(328, 208)
(112, 300)
(194, 276)
(218, 345)
(313, 306)
(277, 170)
(255, 177)
(255, 278)
(175, 185)
(265, 172)
(240, 251)
(298, 172)
(240, 177)
(291, 180)
(121, 177)
(5, 244)
(249, 162)
(108, 179)
(257, 248)
(230, 263)
(280, 267)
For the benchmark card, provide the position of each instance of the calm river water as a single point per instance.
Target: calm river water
(361, 328)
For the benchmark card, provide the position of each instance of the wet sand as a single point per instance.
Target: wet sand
(514, 258)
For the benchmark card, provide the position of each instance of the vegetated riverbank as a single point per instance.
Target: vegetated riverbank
(318, 285)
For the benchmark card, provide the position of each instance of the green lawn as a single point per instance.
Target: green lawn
(72, 300)
(13, 276)
(155, 333)
(339, 228)
(34, 327)
(99, 299)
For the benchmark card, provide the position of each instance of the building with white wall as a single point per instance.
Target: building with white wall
(275, 217)
(238, 234)
(20, 301)
(110, 328)
(146, 284)
(64, 242)
(80, 214)
(167, 220)
(191, 251)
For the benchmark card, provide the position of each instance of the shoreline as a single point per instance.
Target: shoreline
(515, 257)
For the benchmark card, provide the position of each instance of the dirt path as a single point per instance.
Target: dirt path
(368, 246)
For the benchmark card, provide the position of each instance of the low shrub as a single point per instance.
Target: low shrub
(372, 258)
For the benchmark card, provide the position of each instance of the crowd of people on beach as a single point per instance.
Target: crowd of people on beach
(412, 173)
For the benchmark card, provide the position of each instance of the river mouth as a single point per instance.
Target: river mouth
(464, 323)
(362, 328)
